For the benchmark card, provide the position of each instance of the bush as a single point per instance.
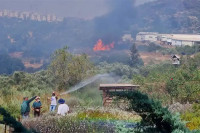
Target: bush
(192, 117)
(117, 68)
(188, 50)
(153, 114)
(90, 120)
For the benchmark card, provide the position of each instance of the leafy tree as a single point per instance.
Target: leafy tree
(183, 85)
(69, 69)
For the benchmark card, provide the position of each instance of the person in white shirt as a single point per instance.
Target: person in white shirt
(63, 108)
(53, 100)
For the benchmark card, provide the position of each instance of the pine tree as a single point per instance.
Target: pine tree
(135, 57)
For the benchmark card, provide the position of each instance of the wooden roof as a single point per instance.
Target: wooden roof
(117, 86)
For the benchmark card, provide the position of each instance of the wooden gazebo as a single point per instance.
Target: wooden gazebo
(106, 88)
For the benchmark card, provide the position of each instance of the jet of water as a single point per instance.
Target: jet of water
(84, 83)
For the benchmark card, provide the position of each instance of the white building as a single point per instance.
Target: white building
(185, 39)
(147, 36)
(170, 39)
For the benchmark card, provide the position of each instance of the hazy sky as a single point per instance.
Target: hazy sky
(61, 8)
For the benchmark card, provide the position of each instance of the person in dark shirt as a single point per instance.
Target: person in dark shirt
(37, 105)
(25, 107)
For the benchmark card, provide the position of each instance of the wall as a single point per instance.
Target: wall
(176, 42)
(187, 43)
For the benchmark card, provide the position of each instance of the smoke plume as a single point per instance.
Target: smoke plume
(112, 26)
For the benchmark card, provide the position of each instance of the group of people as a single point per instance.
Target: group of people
(63, 108)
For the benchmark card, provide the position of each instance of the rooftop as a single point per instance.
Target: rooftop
(186, 37)
(117, 86)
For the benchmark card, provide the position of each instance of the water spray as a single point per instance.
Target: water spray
(84, 83)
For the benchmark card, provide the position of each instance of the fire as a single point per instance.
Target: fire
(99, 46)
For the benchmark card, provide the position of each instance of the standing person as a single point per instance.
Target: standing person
(25, 107)
(63, 108)
(53, 100)
(37, 105)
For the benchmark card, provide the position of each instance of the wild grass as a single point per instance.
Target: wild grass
(88, 121)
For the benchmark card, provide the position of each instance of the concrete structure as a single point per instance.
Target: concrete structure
(185, 39)
(170, 39)
(147, 36)
(106, 88)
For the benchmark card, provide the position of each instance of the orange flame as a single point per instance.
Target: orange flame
(99, 46)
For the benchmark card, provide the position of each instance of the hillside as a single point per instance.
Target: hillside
(40, 39)
(168, 16)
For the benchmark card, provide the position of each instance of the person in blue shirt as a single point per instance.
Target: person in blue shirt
(25, 107)
(37, 105)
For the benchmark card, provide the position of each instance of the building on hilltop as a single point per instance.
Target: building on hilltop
(147, 36)
(170, 39)
(185, 40)
(29, 16)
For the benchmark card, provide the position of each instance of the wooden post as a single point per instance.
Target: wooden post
(5, 129)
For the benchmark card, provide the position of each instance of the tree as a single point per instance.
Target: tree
(11, 121)
(135, 59)
(69, 69)
(8, 65)
(155, 118)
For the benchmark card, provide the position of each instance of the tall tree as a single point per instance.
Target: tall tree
(135, 59)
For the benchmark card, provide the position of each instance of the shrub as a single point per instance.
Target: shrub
(11, 121)
(152, 112)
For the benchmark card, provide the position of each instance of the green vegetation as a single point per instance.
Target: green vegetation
(135, 59)
(188, 50)
(151, 47)
(91, 120)
(154, 117)
(11, 121)
(14, 87)
(192, 117)
(8, 65)
(163, 82)
(68, 69)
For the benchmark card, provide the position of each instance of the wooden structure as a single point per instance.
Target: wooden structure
(175, 60)
(106, 88)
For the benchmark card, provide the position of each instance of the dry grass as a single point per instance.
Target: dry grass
(149, 57)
